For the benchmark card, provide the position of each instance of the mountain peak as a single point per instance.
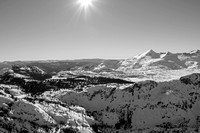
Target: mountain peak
(150, 53)
(166, 54)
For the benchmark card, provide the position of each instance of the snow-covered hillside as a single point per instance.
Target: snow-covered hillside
(38, 115)
(144, 106)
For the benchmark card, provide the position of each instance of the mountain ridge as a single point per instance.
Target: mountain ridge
(148, 60)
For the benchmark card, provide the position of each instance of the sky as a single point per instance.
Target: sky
(62, 29)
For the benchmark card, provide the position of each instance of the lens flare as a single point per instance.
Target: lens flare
(85, 3)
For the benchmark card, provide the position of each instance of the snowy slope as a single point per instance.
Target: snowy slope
(33, 115)
(144, 105)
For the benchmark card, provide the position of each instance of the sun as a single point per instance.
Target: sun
(85, 3)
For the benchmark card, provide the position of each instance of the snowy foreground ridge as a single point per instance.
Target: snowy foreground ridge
(146, 106)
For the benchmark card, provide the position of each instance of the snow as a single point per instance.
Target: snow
(195, 51)
(100, 66)
(150, 53)
(17, 75)
(170, 61)
(160, 75)
(16, 92)
(30, 112)
(165, 101)
(111, 105)
(20, 115)
(73, 115)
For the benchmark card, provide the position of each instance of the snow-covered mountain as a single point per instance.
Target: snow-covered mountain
(167, 60)
(146, 106)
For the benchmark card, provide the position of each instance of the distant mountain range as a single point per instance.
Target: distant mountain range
(145, 61)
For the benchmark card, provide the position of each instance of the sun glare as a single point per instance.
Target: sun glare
(85, 7)
(85, 3)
